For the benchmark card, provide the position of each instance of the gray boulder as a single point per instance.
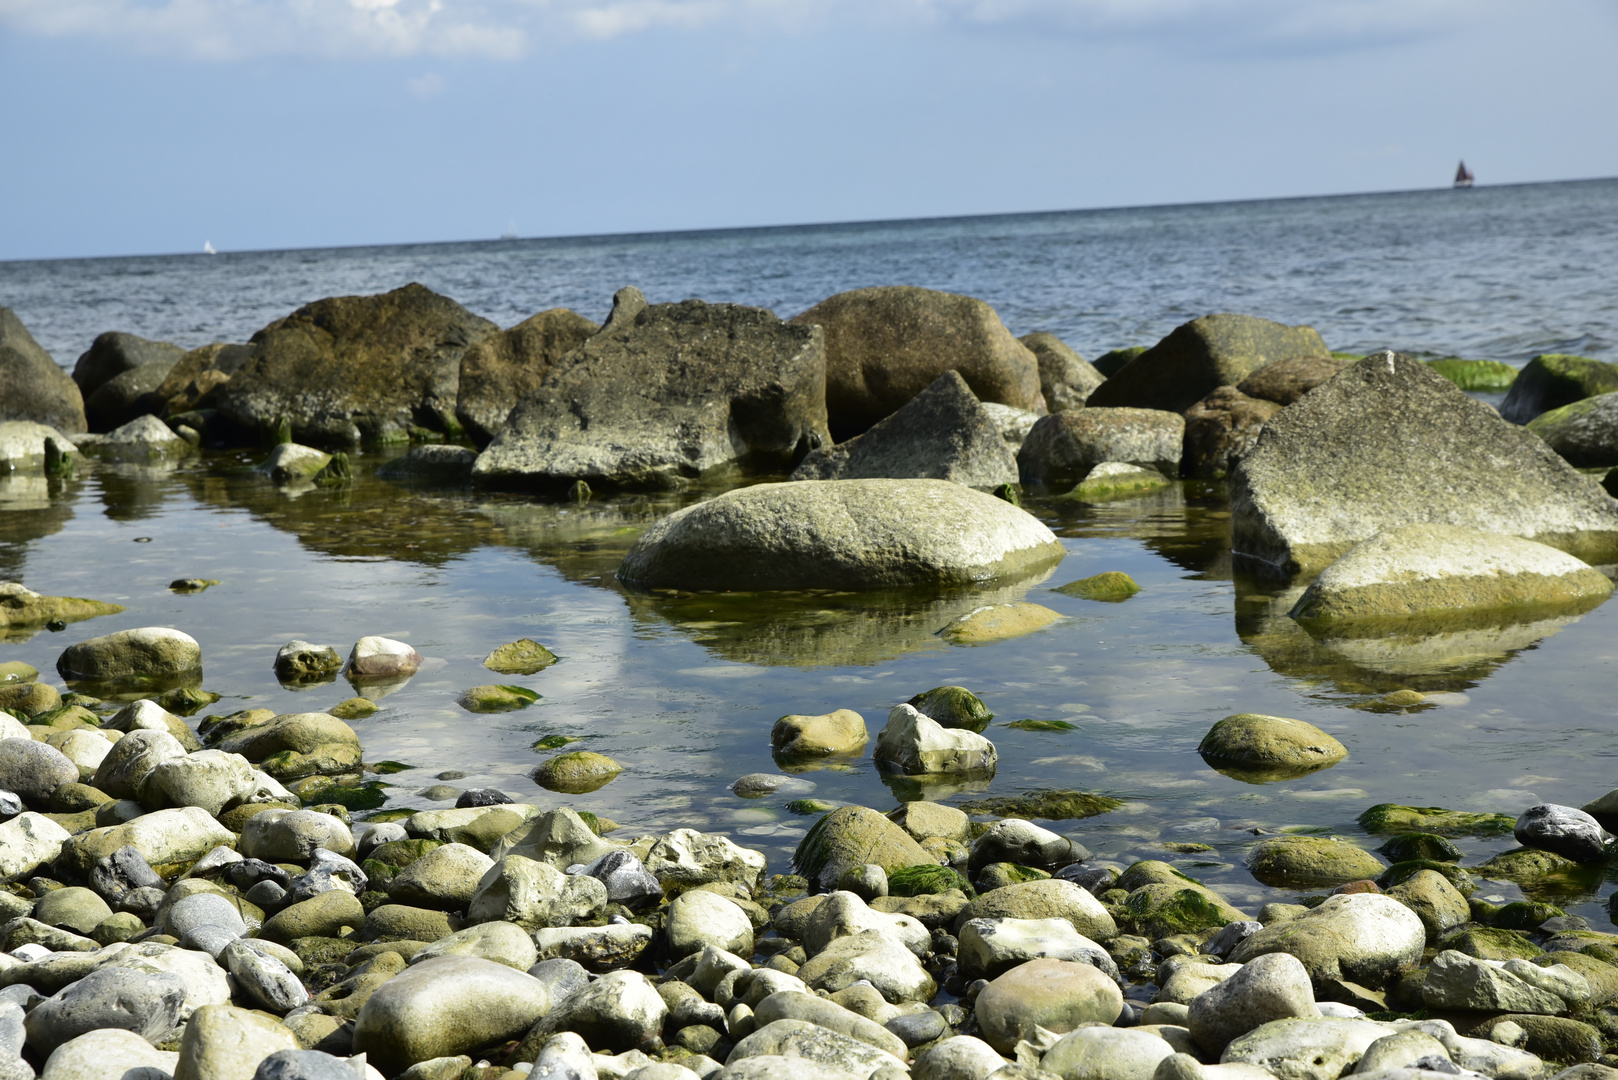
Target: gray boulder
(152, 656)
(145, 1002)
(1560, 829)
(1457, 981)
(145, 440)
(664, 395)
(1064, 378)
(619, 1011)
(844, 534)
(432, 463)
(1285, 381)
(353, 369)
(1213, 351)
(115, 353)
(446, 1006)
(1221, 428)
(884, 345)
(943, 433)
(1585, 433)
(1063, 448)
(1552, 380)
(1269, 987)
(23, 446)
(1389, 442)
(123, 398)
(33, 770)
(32, 387)
(504, 368)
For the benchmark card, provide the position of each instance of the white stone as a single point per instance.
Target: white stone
(1106, 1053)
(28, 841)
(382, 658)
(915, 744)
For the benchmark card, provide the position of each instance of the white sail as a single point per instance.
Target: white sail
(207, 248)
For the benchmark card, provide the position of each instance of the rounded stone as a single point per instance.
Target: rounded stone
(697, 918)
(1310, 861)
(152, 655)
(445, 878)
(293, 835)
(74, 908)
(961, 1057)
(1057, 995)
(33, 770)
(1269, 987)
(381, 658)
(1560, 829)
(446, 1006)
(224, 1041)
(1362, 937)
(323, 915)
(1276, 747)
(1106, 1054)
(577, 772)
(203, 909)
(835, 733)
(109, 1054)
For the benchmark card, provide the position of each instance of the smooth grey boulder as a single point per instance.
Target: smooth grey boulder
(1458, 981)
(503, 368)
(353, 369)
(124, 771)
(1389, 442)
(294, 835)
(27, 842)
(32, 770)
(265, 979)
(149, 656)
(145, 1002)
(960, 1057)
(1361, 937)
(991, 947)
(211, 779)
(1063, 448)
(698, 918)
(1270, 987)
(809, 1041)
(1064, 377)
(1585, 433)
(536, 895)
(619, 1011)
(1201, 355)
(127, 395)
(305, 1065)
(446, 1006)
(115, 353)
(943, 433)
(873, 956)
(627, 880)
(432, 463)
(797, 1005)
(1107, 1053)
(110, 1054)
(664, 395)
(1563, 830)
(844, 534)
(1022, 842)
(32, 386)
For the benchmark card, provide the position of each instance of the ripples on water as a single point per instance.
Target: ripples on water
(683, 690)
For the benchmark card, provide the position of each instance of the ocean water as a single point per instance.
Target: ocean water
(683, 690)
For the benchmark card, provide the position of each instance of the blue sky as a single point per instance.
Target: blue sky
(141, 126)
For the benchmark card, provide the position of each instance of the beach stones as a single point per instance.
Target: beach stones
(146, 440)
(943, 433)
(381, 658)
(873, 956)
(225, 1041)
(1438, 571)
(1388, 442)
(27, 447)
(1269, 747)
(153, 656)
(664, 393)
(147, 1003)
(445, 878)
(1552, 380)
(109, 1054)
(850, 534)
(1585, 433)
(1014, 840)
(1269, 987)
(1063, 448)
(27, 842)
(1057, 995)
(525, 656)
(913, 744)
(990, 947)
(1219, 429)
(1201, 355)
(33, 769)
(294, 745)
(36, 388)
(1064, 378)
(1560, 829)
(576, 772)
(1457, 981)
(618, 1012)
(303, 661)
(431, 464)
(1045, 899)
(1360, 937)
(210, 779)
(884, 345)
(699, 918)
(1304, 861)
(503, 368)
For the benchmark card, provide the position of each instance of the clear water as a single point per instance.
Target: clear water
(683, 691)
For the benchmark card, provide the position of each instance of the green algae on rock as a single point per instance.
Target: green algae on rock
(1110, 587)
(1162, 909)
(1308, 861)
(577, 772)
(851, 836)
(1552, 380)
(953, 707)
(998, 622)
(21, 608)
(1583, 432)
(353, 708)
(1256, 748)
(1384, 818)
(1116, 480)
(496, 698)
(1047, 805)
(525, 656)
(1405, 869)
(1041, 725)
(1420, 845)
(1485, 375)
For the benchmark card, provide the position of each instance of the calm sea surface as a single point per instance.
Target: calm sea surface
(683, 691)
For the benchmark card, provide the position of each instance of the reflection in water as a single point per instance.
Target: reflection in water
(32, 507)
(1188, 523)
(135, 492)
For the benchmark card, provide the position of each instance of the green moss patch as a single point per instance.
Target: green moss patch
(1384, 818)
(1109, 587)
(1050, 805)
(927, 880)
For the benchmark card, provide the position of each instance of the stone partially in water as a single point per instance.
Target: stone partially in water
(914, 744)
(1050, 805)
(432, 463)
(576, 772)
(1552, 380)
(303, 662)
(288, 463)
(1563, 830)
(1307, 861)
(154, 657)
(835, 733)
(1487, 375)
(953, 707)
(496, 698)
(1386, 818)
(844, 534)
(1110, 587)
(1116, 480)
(1254, 747)
(1064, 448)
(503, 368)
(381, 658)
(1585, 433)
(1388, 443)
(36, 388)
(143, 441)
(1220, 429)
(23, 445)
(525, 656)
(851, 836)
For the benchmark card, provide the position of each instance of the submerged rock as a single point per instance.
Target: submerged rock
(1269, 747)
(501, 369)
(1201, 355)
(997, 622)
(153, 656)
(1388, 443)
(1117, 480)
(1063, 448)
(884, 345)
(146, 440)
(1064, 378)
(665, 393)
(1111, 587)
(1306, 861)
(942, 433)
(847, 534)
(525, 656)
(1552, 380)
(432, 463)
(21, 607)
(496, 698)
(32, 386)
(576, 772)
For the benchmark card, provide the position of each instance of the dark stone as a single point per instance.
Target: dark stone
(1094, 880)
(627, 880)
(1064, 378)
(918, 1028)
(115, 353)
(943, 433)
(1552, 380)
(303, 1065)
(503, 368)
(1111, 363)
(121, 873)
(1419, 845)
(1562, 830)
(433, 463)
(481, 797)
(245, 874)
(193, 383)
(1196, 358)
(664, 396)
(1063, 448)
(1585, 433)
(885, 345)
(353, 369)
(561, 977)
(1223, 943)
(1285, 381)
(1553, 1038)
(1219, 429)
(32, 387)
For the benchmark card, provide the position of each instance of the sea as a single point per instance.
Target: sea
(682, 690)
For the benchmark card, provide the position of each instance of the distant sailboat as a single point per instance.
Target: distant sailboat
(207, 248)
(511, 231)
(1463, 176)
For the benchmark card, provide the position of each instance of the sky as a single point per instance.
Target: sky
(151, 126)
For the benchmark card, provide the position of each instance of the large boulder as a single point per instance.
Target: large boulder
(22, 607)
(1063, 448)
(943, 433)
(194, 380)
(1439, 571)
(1219, 429)
(1552, 380)
(1064, 378)
(116, 353)
(1388, 442)
(503, 368)
(357, 368)
(841, 534)
(1361, 937)
(663, 393)
(884, 345)
(32, 387)
(852, 836)
(149, 657)
(1201, 355)
(1585, 433)
(124, 398)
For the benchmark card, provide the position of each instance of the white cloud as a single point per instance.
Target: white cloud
(428, 85)
(508, 29)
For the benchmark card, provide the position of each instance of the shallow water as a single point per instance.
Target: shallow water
(683, 690)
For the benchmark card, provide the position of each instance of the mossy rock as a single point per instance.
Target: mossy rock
(554, 742)
(1522, 915)
(332, 809)
(851, 836)
(1481, 375)
(1109, 587)
(525, 656)
(316, 951)
(1305, 861)
(1403, 871)
(235, 819)
(1533, 867)
(953, 707)
(1000, 874)
(927, 881)
(401, 853)
(496, 697)
(1110, 363)
(1384, 818)
(1115, 480)
(1041, 725)
(1164, 909)
(216, 729)
(368, 796)
(1403, 847)
(16, 671)
(354, 708)
(1489, 943)
(398, 813)
(186, 700)
(388, 768)
(590, 820)
(1153, 872)
(810, 806)
(67, 716)
(1256, 748)
(576, 772)
(1048, 805)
